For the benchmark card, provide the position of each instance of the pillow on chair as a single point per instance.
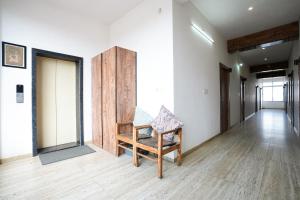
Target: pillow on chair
(166, 121)
(142, 118)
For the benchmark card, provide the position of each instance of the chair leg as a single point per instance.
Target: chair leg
(159, 156)
(179, 153)
(135, 157)
(179, 156)
(159, 165)
(118, 149)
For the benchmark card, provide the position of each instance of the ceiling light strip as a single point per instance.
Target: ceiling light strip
(203, 33)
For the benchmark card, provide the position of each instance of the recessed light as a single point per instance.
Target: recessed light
(250, 8)
(266, 59)
(241, 64)
(263, 48)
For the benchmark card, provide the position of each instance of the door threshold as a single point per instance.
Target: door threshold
(58, 147)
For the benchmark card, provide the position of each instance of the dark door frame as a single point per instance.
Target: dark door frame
(298, 62)
(225, 69)
(242, 98)
(291, 97)
(285, 97)
(79, 95)
(260, 99)
(256, 98)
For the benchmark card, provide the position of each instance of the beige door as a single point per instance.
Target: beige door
(66, 102)
(56, 102)
(46, 103)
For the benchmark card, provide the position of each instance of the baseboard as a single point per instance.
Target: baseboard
(172, 160)
(207, 141)
(14, 158)
(188, 152)
(296, 131)
(251, 115)
(289, 118)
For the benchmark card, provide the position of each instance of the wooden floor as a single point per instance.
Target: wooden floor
(259, 159)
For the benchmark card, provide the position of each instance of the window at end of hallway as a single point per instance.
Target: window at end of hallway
(273, 91)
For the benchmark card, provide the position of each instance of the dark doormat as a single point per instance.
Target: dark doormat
(51, 157)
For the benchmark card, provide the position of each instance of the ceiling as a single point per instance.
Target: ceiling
(105, 11)
(232, 18)
(276, 53)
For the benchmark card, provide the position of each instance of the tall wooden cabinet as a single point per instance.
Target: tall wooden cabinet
(114, 94)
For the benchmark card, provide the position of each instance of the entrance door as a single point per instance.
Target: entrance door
(56, 102)
(292, 99)
(257, 97)
(285, 97)
(242, 99)
(224, 97)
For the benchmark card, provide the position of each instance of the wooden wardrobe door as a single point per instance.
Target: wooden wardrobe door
(109, 99)
(126, 85)
(97, 100)
(46, 102)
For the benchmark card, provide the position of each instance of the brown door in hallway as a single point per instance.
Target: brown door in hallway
(257, 98)
(285, 97)
(242, 98)
(298, 61)
(291, 98)
(224, 97)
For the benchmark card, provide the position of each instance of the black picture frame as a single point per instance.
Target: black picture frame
(4, 64)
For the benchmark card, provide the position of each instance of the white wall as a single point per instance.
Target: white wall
(196, 69)
(38, 25)
(273, 104)
(147, 29)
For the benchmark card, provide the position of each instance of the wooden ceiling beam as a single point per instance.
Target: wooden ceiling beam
(283, 33)
(269, 67)
(271, 74)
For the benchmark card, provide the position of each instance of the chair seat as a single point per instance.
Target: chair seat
(152, 142)
(129, 135)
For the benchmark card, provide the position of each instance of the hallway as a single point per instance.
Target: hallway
(258, 160)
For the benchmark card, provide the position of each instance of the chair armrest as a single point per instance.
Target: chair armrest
(143, 126)
(171, 131)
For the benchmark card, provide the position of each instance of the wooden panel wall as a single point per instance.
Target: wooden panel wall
(109, 99)
(97, 100)
(126, 85)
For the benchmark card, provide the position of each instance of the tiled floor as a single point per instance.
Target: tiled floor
(259, 159)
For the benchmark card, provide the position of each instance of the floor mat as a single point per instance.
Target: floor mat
(51, 157)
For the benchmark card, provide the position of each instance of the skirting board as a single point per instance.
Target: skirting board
(296, 131)
(289, 118)
(198, 146)
(14, 158)
(205, 142)
(250, 116)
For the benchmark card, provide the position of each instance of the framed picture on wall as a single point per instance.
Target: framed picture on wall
(13, 55)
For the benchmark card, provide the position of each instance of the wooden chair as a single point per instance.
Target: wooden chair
(125, 139)
(157, 146)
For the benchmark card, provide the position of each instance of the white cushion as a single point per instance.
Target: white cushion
(166, 121)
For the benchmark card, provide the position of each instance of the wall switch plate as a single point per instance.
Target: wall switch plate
(205, 91)
(20, 94)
